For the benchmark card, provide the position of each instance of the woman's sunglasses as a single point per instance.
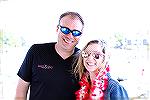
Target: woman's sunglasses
(95, 55)
(66, 30)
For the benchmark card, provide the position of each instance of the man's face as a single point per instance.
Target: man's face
(68, 41)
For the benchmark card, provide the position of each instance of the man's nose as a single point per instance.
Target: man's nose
(70, 35)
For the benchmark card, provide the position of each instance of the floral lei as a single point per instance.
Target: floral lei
(99, 85)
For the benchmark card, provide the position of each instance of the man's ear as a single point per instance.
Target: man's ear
(57, 28)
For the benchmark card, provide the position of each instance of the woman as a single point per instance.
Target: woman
(93, 72)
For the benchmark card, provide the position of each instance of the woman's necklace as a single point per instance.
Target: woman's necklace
(94, 92)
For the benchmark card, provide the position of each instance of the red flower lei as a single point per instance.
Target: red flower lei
(99, 85)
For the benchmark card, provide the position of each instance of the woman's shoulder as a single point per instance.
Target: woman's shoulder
(113, 82)
(114, 85)
(116, 90)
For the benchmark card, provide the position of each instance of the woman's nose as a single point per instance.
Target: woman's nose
(90, 57)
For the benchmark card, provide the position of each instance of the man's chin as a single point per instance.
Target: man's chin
(68, 48)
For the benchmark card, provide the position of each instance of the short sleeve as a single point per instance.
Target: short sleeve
(25, 71)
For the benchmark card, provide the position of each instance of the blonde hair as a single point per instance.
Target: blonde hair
(79, 69)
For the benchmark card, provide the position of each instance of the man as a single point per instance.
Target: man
(46, 69)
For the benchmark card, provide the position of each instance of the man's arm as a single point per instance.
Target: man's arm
(22, 90)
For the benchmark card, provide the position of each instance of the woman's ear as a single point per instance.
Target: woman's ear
(107, 57)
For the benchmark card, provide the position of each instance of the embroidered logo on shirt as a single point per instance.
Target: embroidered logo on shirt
(45, 66)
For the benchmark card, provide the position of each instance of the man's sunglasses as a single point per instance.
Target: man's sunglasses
(95, 55)
(66, 30)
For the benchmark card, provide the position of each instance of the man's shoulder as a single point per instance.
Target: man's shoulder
(45, 44)
(77, 49)
(42, 46)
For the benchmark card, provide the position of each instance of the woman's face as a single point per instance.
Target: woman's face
(93, 58)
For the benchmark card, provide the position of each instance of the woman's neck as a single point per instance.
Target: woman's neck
(93, 75)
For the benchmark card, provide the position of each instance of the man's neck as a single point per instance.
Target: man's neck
(62, 52)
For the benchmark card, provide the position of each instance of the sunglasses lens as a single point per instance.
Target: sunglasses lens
(76, 33)
(96, 56)
(65, 30)
(84, 54)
